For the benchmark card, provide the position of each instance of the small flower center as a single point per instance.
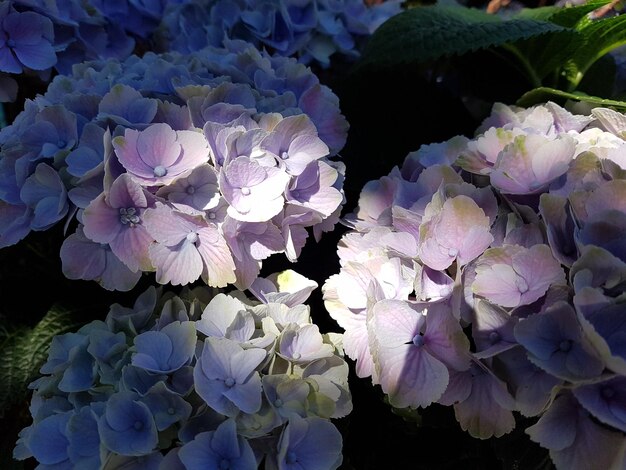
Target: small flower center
(296, 355)
(171, 411)
(494, 337)
(284, 155)
(129, 216)
(224, 464)
(159, 171)
(229, 382)
(138, 425)
(61, 143)
(295, 193)
(245, 191)
(211, 215)
(418, 340)
(192, 237)
(453, 252)
(11, 43)
(190, 190)
(291, 457)
(565, 345)
(278, 403)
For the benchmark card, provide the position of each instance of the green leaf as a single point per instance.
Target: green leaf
(572, 16)
(600, 37)
(427, 33)
(543, 94)
(546, 54)
(540, 13)
(24, 350)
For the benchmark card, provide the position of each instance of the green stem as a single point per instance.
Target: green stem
(525, 65)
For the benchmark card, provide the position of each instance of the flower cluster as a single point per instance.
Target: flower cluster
(200, 380)
(190, 166)
(311, 30)
(41, 35)
(517, 237)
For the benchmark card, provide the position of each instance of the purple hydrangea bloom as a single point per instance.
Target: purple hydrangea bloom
(511, 276)
(158, 154)
(482, 403)
(300, 344)
(198, 190)
(492, 330)
(413, 349)
(254, 192)
(459, 232)
(187, 247)
(116, 218)
(531, 162)
(84, 259)
(226, 376)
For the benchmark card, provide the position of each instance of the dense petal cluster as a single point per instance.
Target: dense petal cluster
(312, 30)
(200, 380)
(191, 166)
(46, 35)
(489, 274)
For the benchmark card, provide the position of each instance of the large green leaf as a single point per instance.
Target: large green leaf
(600, 37)
(543, 94)
(426, 33)
(23, 351)
(548, 53)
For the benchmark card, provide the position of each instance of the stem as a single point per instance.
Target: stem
(525, 65)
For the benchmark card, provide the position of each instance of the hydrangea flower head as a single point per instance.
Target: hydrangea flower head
(147, 376)
(158, 154)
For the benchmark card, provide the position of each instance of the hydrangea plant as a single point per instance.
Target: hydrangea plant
(312, 30)
(488, 274)
(200, 380)
(191, 166)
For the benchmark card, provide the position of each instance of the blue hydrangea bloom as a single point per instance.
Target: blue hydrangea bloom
(556, 343)
(126, 391)
(26, 40)
(127, 426)
(166, 350)
(309, 444)
(219, 449)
